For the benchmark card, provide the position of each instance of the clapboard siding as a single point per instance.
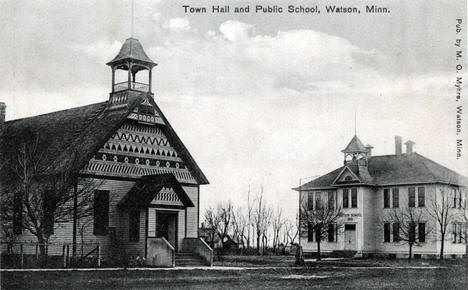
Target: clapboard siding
(192, 212)
(118, 219)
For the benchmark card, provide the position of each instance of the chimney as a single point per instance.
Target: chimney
(2, 112)
(409, 146)
(397, 145)
(369, 149)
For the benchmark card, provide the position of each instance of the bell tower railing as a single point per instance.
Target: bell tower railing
(142, 87)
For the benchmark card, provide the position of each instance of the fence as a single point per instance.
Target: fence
(49, 255)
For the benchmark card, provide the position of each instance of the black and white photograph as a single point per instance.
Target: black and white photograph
(233, 144)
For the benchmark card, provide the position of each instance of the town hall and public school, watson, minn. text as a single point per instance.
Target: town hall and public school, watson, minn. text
(279, 9)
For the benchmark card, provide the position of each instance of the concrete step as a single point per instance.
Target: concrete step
(188, 259)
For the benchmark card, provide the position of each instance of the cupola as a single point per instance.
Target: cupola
(132, 59)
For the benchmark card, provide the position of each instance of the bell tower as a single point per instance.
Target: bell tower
(133, 60)
(356, 152)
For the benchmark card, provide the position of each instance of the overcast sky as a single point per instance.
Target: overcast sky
(258, 99)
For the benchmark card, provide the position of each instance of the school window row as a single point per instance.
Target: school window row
(393, 195)
(392, 232)
(315, 200)
(313, 234)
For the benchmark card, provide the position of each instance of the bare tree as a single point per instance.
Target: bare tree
(289, 232)
(239, 225)
(225, 213)
(249, 218)
(407, 225)
(40, 200)
(261, 221)
(212, 221)
(440, 208)
(277, 226)
(319, 219)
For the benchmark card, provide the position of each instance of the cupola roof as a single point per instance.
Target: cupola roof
(132, 51)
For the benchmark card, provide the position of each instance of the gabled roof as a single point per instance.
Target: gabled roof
(148, 186)
(131, 50)
(76, 134)
(355, 146)
(384, 170)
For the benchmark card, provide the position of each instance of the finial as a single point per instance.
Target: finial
(133, 4)
(355, 122)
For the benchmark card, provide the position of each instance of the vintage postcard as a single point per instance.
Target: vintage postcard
(235, 144)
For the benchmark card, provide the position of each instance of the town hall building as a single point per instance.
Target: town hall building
(147, 184)
(370, 190)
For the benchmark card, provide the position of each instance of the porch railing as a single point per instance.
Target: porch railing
(133, 86)
(199, 247)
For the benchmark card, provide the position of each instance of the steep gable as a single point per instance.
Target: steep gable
(84, 134)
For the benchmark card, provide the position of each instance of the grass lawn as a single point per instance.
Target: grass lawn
(450, 276)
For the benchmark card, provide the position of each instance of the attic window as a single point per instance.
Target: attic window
(348, 178)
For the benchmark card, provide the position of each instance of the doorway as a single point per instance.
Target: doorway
(350, 237)
(166, 226)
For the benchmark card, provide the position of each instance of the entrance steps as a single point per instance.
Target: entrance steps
(186, 259)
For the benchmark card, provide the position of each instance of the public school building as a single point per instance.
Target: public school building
(147, 199)
(368, 187)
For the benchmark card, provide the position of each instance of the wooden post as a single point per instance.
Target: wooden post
(22, 256)
(98, 255)
(68, 255)
(37, 252)
(64, 258)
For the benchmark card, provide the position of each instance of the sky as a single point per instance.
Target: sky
(260, 100)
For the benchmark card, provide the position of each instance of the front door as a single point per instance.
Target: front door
(166, 226)
(350, 237)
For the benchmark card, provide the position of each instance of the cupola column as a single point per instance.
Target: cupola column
(149, 80)
(113, 78)
(129, 75)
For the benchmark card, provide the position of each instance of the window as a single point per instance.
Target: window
(454, 198)
(310, 233)
(354, 197)
(412, 232)
(310, 201)
(458, 233)
(421, 196)
(134, 225)
(422, 232)
(318, 200)
(101, 212)
(396, 197)
(345, 198)
(332, 233)
(412, 197)
(18, 215)
(48, 204)
(386, 198)
(396, 232)
(348, 178)
(386, 232)
(331, 200)
(318, 236)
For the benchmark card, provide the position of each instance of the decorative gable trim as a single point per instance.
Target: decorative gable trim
(343, 171)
